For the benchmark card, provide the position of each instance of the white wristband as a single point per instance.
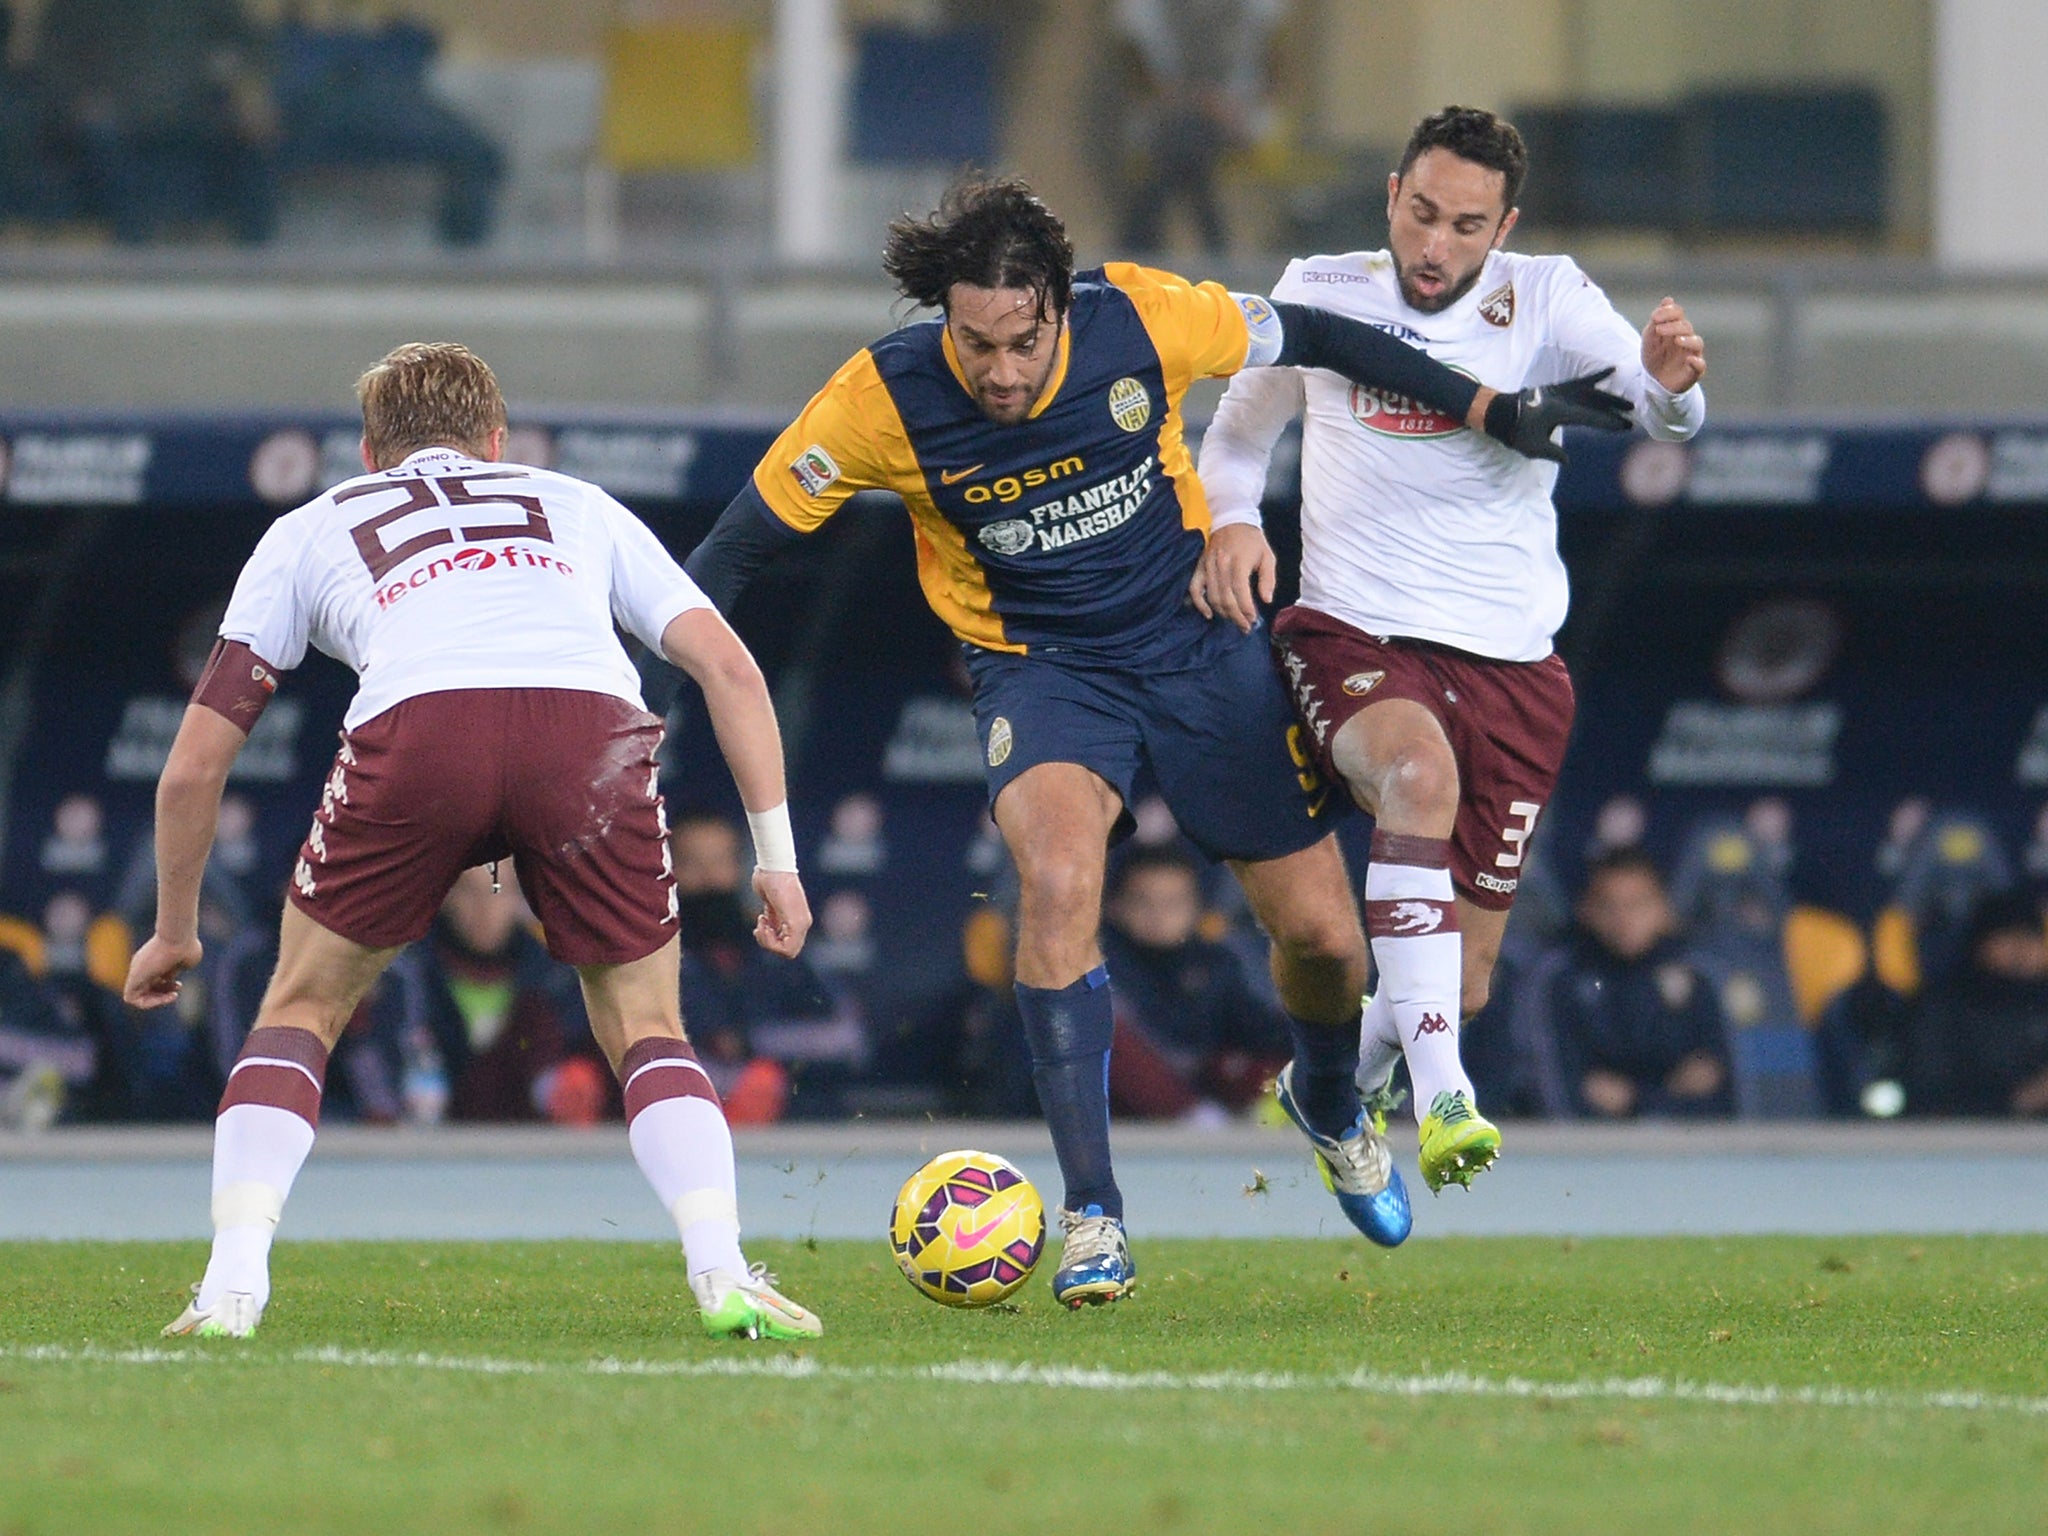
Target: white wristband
(774, 842)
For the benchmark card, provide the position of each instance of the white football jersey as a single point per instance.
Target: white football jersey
(450, 573)
(1411, 524)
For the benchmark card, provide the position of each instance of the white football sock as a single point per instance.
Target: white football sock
(1412, 923)
(680, 1140)
(258, 1150)
(1379, 1047)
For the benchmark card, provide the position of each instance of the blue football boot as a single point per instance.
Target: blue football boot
(1095, 1261)
(1357, 1167)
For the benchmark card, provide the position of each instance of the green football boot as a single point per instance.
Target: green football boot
(749, 1307)
(1458, 1142)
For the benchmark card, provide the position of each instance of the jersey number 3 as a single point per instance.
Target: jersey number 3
(424, 496)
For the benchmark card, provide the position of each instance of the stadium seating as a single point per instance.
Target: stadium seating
(1797, 160)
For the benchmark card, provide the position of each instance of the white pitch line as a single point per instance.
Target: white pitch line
(1001, 1373)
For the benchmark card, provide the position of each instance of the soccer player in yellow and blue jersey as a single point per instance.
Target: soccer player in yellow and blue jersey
(1034, 433)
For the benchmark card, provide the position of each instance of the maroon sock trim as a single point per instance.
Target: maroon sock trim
(659, 1068)
(282, 1042)
(288, 1088)
(1409, 917)
(1406, 848)
(283, 1088)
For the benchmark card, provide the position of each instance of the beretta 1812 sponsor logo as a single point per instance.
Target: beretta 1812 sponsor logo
(1392, 415)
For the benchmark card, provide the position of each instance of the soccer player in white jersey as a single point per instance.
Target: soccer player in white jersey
(1420, 651)
(498, 716)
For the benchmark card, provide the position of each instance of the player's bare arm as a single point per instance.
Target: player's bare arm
(1673, 352)
(702, 644)
(187, 812)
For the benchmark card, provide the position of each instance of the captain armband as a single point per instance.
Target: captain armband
(236, 685)
(1268, 336)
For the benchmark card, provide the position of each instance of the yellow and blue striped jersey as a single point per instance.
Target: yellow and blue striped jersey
(1073, 532)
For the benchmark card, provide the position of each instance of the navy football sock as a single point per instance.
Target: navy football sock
(1069, 1030)
(1325, 1073)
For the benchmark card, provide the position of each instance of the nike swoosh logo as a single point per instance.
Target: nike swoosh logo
(969, 1237)
(952, 476)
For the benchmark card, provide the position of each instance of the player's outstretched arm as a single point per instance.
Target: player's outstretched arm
(743, 716)
(1526, 421)
(746, 537)
(187, 814)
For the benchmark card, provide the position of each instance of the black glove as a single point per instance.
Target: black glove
(1527, 421)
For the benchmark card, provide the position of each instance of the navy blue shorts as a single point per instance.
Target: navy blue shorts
(1216, 728)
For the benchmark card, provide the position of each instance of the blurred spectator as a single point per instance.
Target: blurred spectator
(1902, 830)
(147, 1066)
(758, 1021)
(168, 106)
(504, 1017)
(234, 838)
(1201, 92)
(853, 842)
(76, 847)
(1193, 1041)
(1621, 822)
(843, 943)
(44, 1058)
(352, 97)
(1954, 861)
(1983, 1036)
(1638, 1029)
(1733, 896)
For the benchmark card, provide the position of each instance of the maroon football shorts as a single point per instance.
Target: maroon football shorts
(560, 780)
(1507, 721)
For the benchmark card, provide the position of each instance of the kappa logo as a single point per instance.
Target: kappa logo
(1498, 307)
(1000, 739)
(1407, 919)
(815, 470)
(1130, 406)
(1432, 1024)
(1359, 684)
(1491, 882)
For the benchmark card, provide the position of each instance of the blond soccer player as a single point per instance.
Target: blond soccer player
(497, 717)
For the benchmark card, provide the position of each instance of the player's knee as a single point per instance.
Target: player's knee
(1320, 941)
(1062, 891)
(1421, 781)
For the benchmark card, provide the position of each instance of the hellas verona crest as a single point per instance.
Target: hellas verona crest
(1129, 405)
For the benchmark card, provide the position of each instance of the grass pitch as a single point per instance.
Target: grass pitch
(1484, 1387)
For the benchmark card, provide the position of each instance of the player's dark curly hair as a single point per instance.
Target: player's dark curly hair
(989, 232)
(1475, 134)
